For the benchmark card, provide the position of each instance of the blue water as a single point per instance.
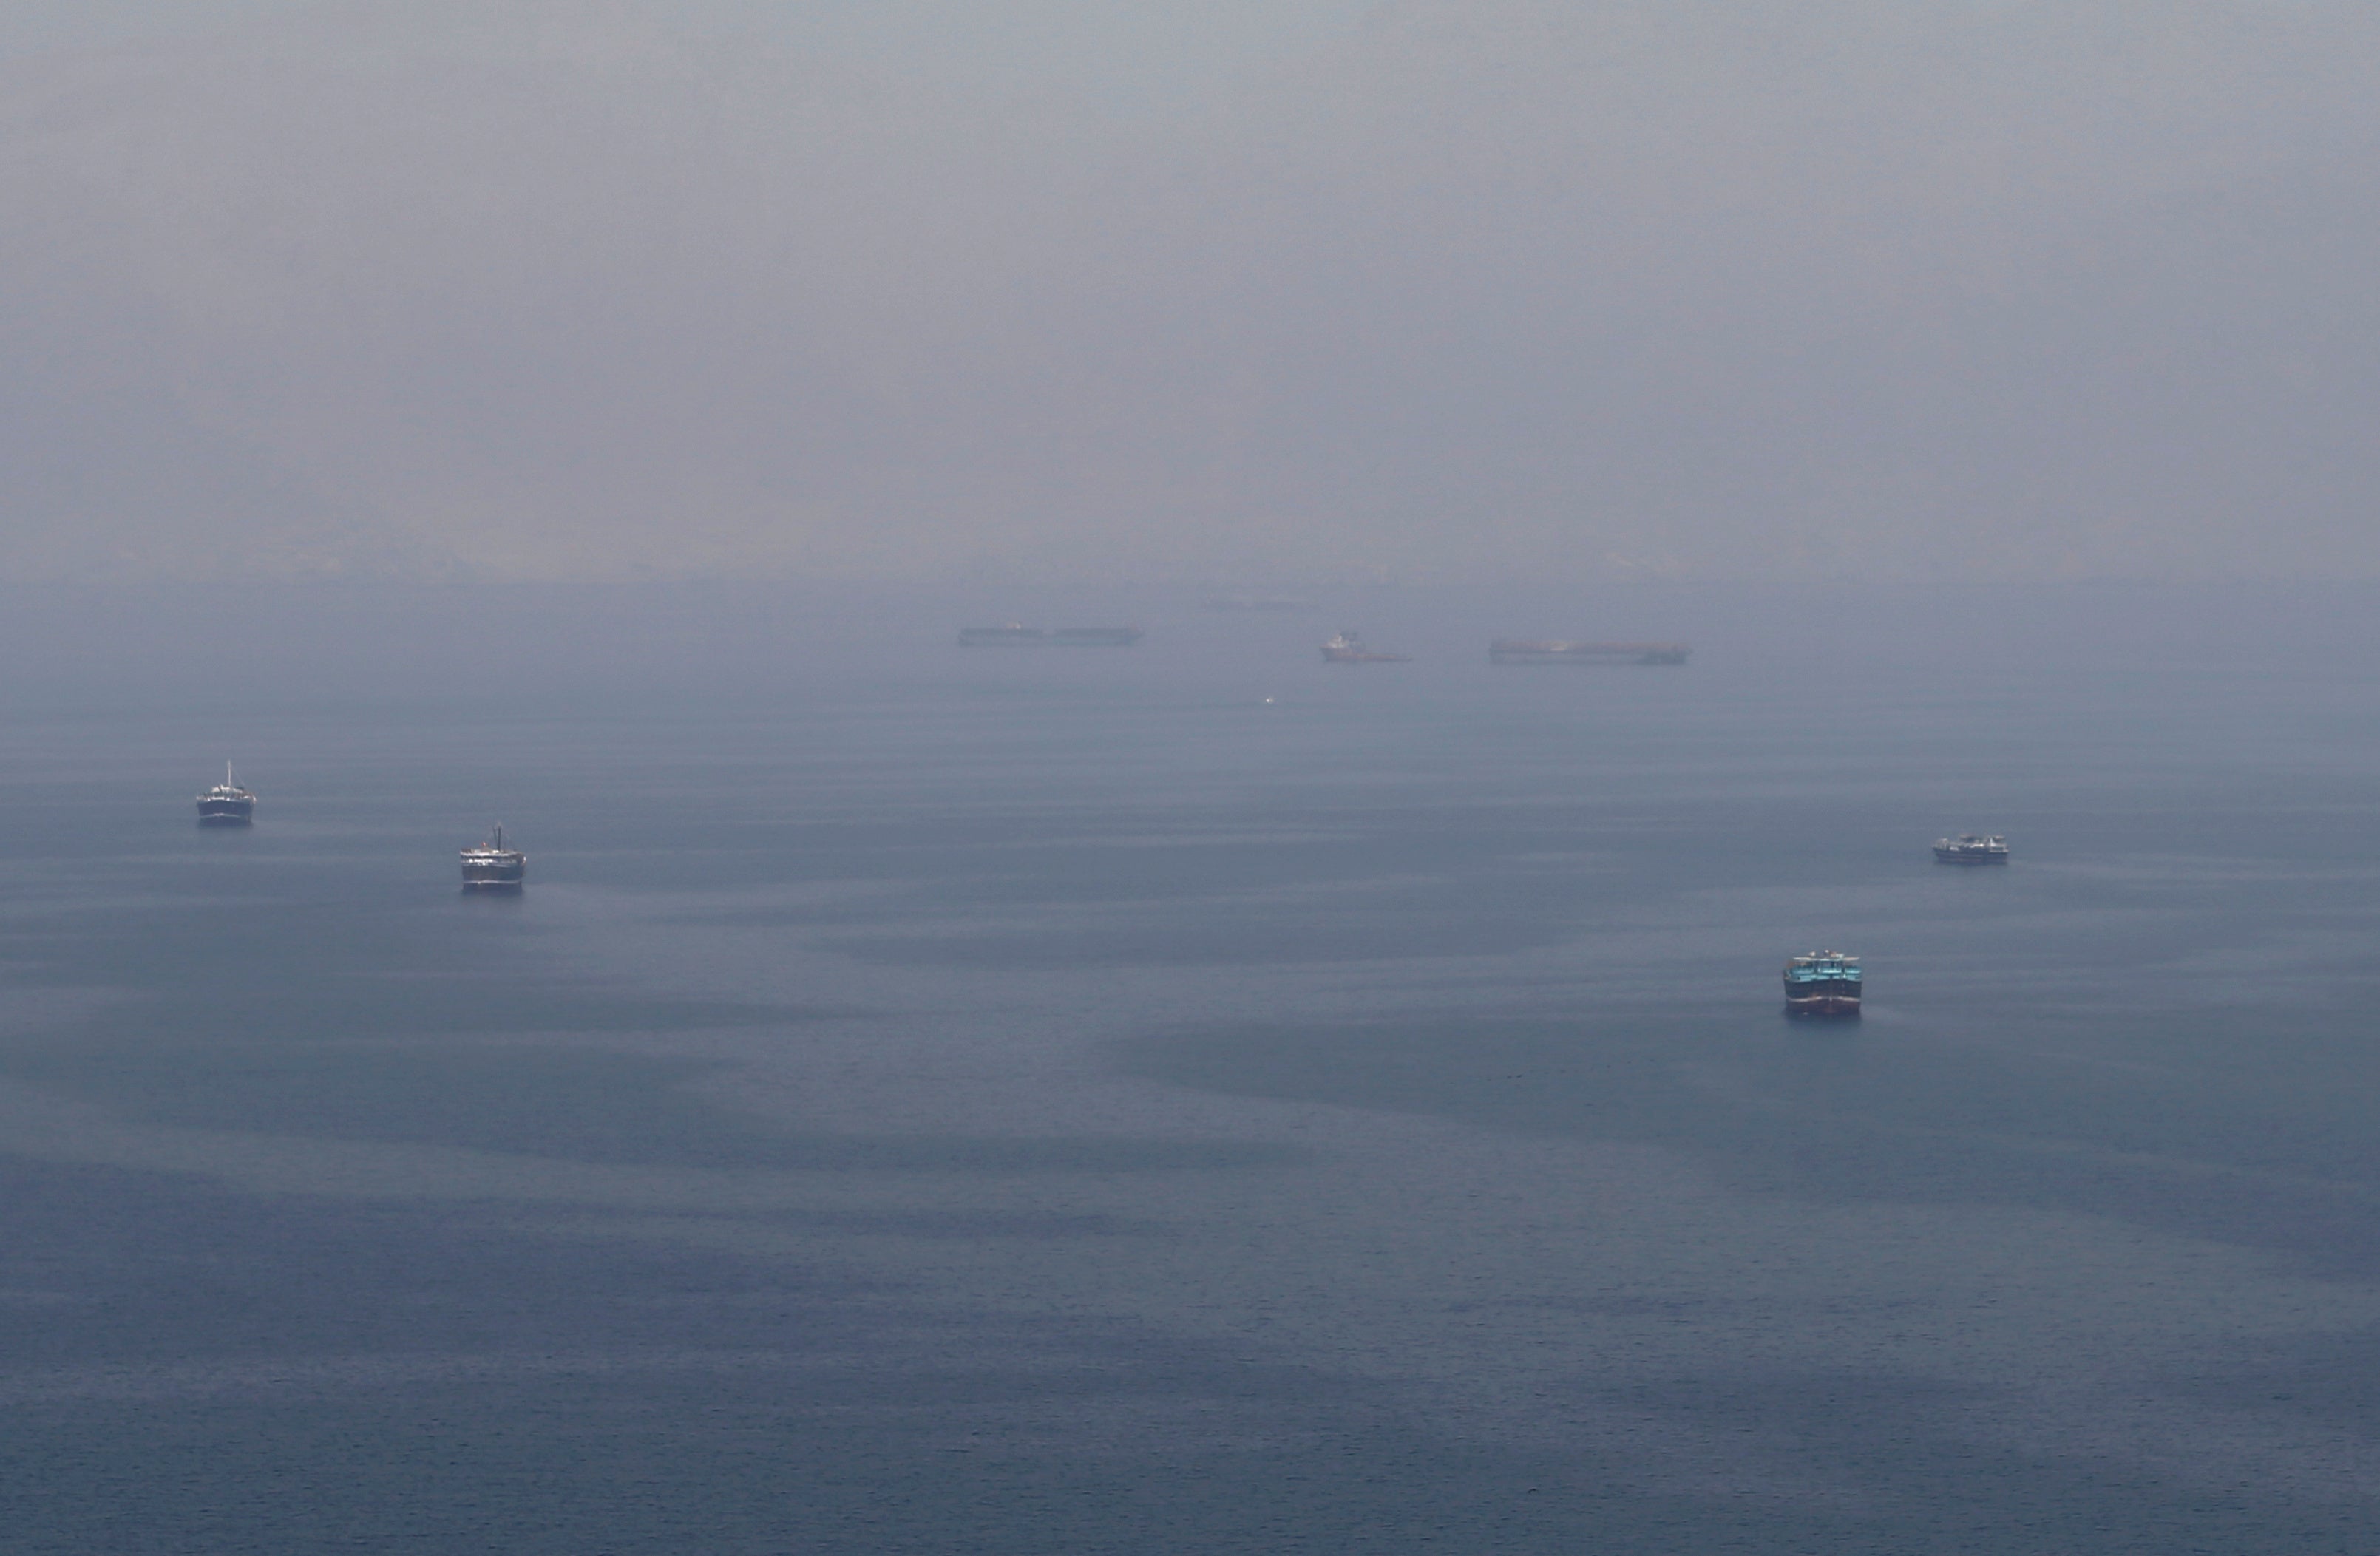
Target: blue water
(1193, 1098)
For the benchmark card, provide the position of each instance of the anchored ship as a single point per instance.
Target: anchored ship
(1255, 602)
(1822, 984)
(494, 867)
(1559, 651)
(1018, 635)
(1348, 648)
(1969, 848)
(226, 804)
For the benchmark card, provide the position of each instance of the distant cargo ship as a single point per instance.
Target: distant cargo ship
(226, 804)
(1347, 649)
(1015, 635)
(1255, 602)
(494, 867)
(1823, 983)
(1969, 848)
(1558, 651)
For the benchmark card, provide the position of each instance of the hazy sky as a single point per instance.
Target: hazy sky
(1873, 289)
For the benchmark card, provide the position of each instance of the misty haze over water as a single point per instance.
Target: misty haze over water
(1190, 1096)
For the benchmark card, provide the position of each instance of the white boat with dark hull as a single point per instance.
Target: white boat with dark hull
(494, 867)
(1972, 847)
(226, 804)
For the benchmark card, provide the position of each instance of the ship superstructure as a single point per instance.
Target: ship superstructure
(1349, 648)
(491, 866)
(226, 804)
(1823, 983)
(1562, 651)
(1972, 847)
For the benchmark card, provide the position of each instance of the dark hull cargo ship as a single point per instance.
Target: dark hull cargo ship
(1015, 635)
(1560, 651)
(1823, 983)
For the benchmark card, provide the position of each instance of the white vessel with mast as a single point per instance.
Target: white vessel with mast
(226, 804)
(491, 866)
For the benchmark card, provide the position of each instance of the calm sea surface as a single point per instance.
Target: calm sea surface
(1193, 1098)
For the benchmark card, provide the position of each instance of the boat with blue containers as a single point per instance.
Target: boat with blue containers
(1823, 983)
(1972, 847)
(494, 867)
(226, 804)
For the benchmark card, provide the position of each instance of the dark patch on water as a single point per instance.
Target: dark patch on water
(583, 1106)
(2186, 1134)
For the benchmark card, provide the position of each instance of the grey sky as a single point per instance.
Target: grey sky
(1135, 58)
(1882, 288)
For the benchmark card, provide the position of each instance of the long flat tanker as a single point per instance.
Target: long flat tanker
(1014, 635)
(1559, 651)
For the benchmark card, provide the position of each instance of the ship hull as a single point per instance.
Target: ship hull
(1832, 1006)
(1535, 651)
(226, 812)
(1037, 637)
(1342, 657)
(1952, 856)
(496, 873)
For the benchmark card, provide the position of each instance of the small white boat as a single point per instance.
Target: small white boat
(494, 867)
